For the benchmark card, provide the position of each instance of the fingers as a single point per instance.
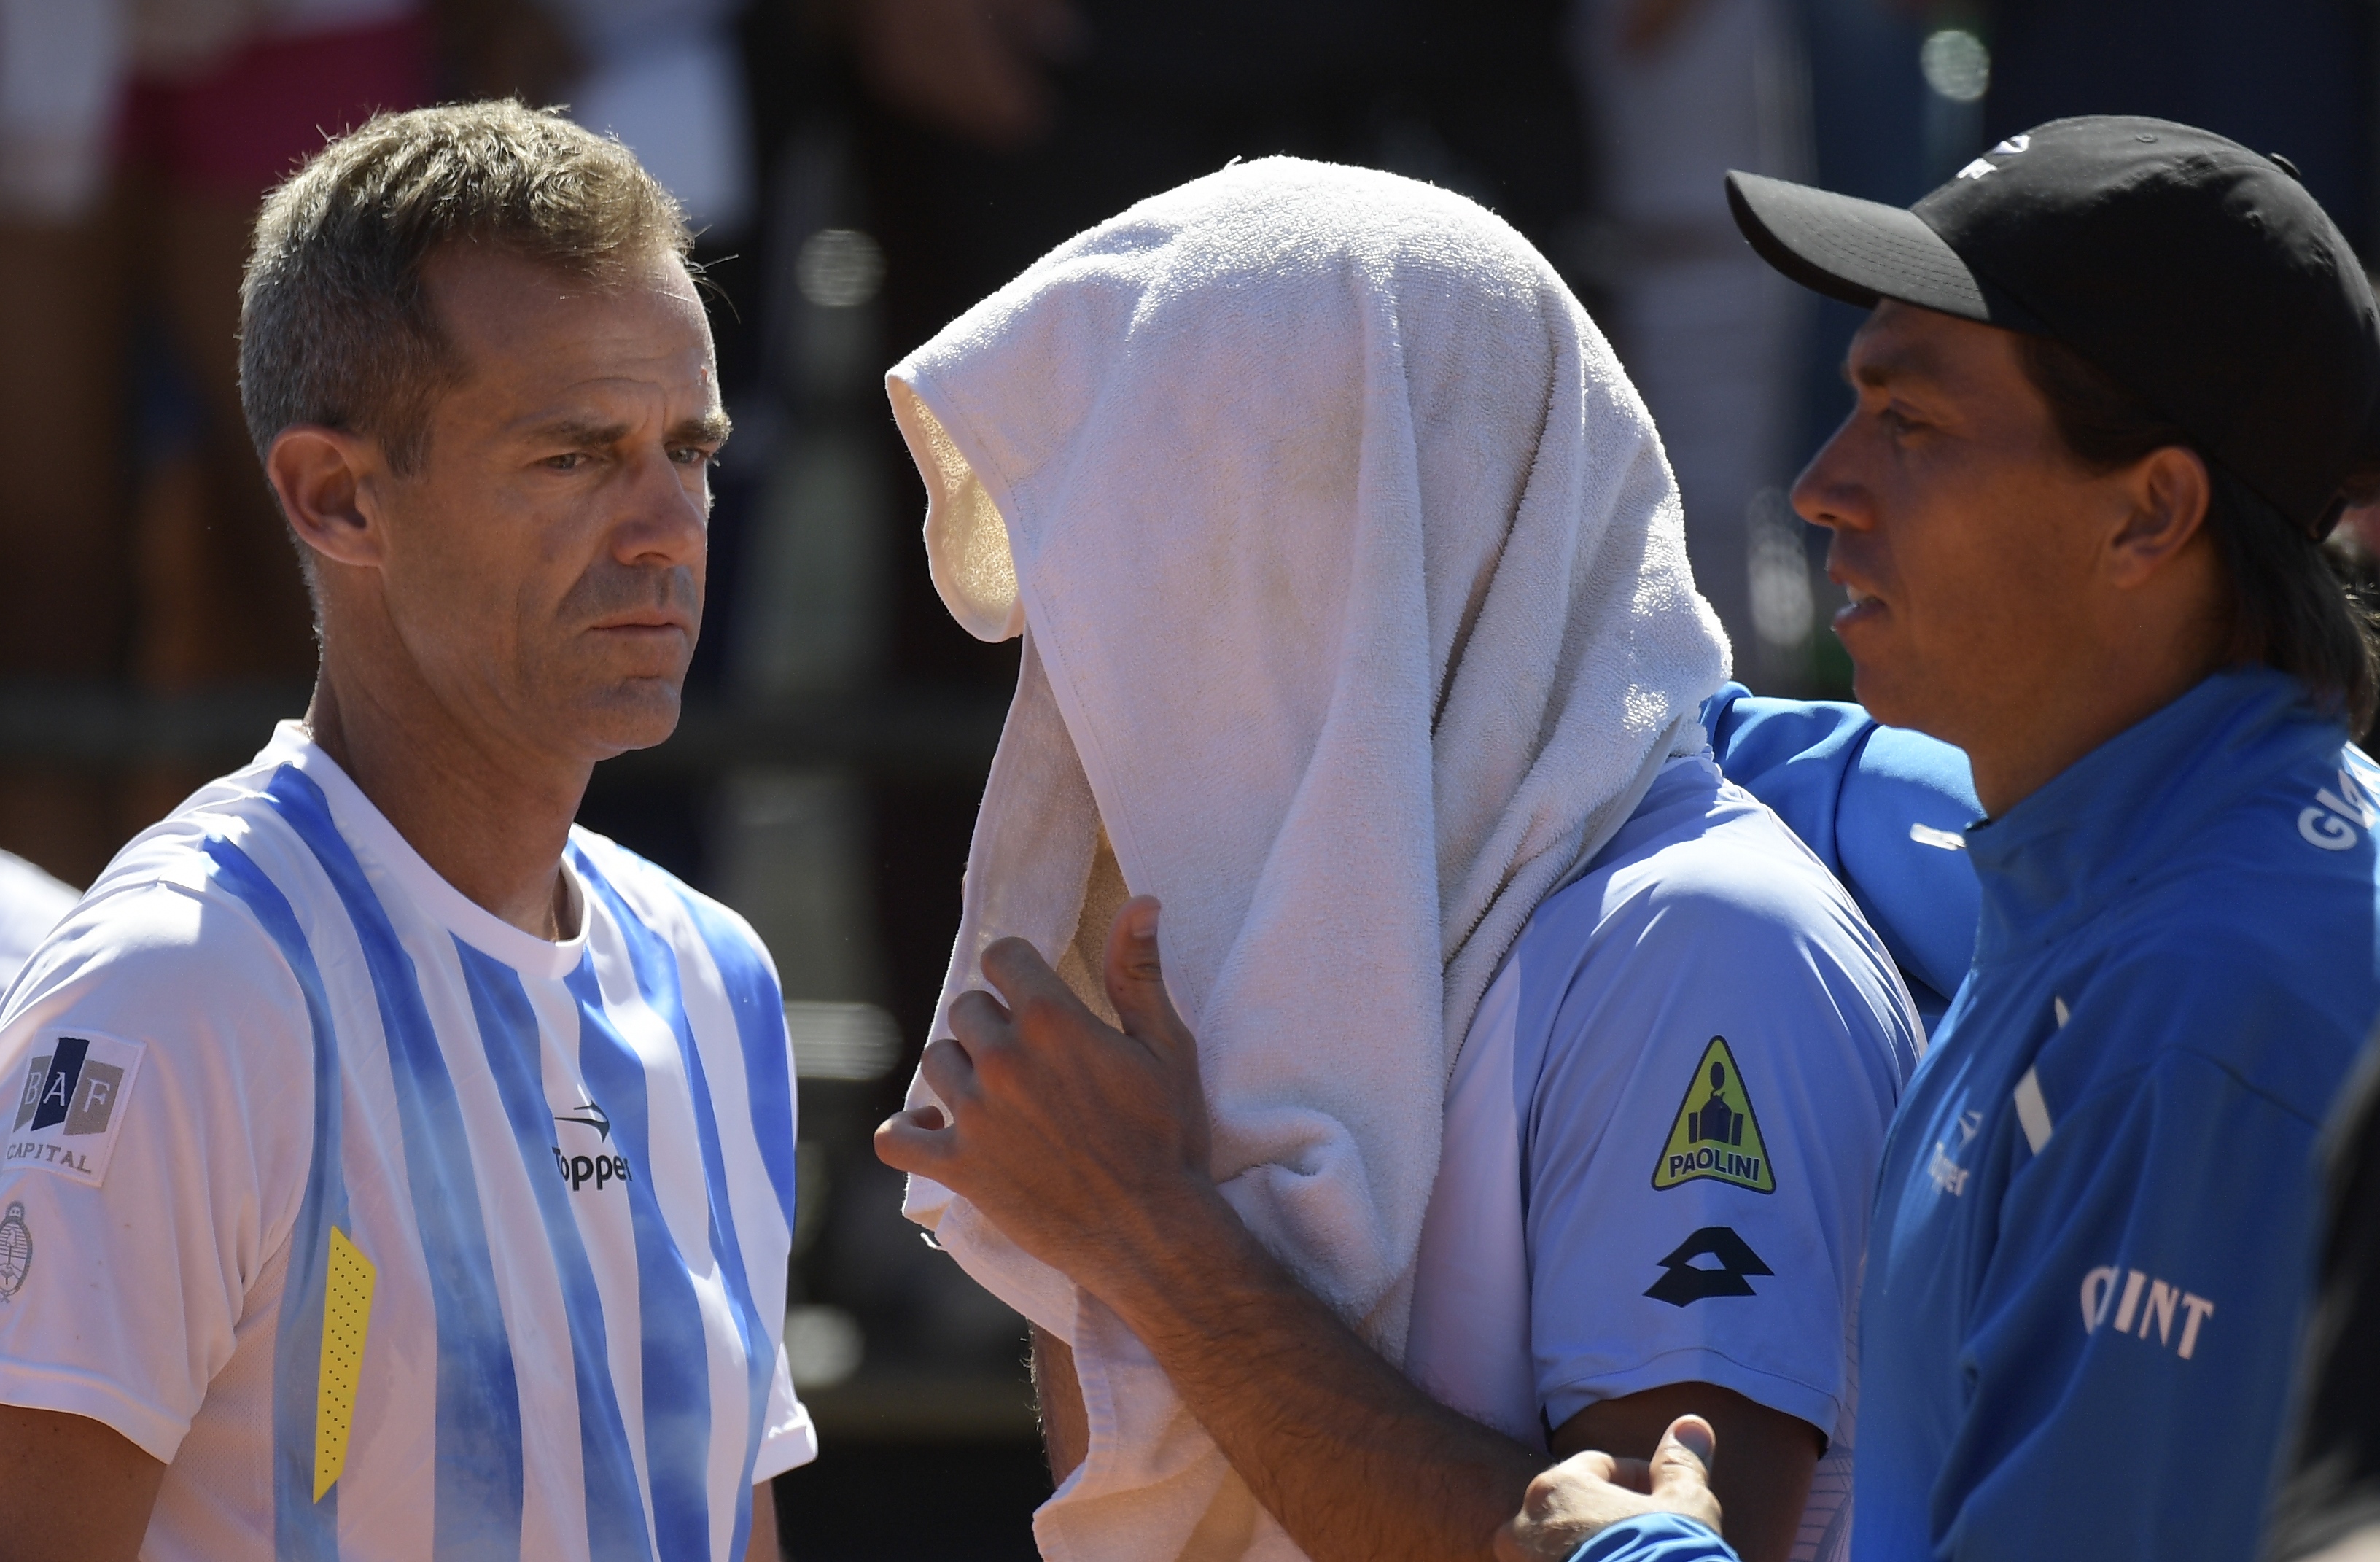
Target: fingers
(1136, 976)
(1018, 971)
(1681, 1467)
(1545, 1492)
(1631, 1475)
(1545, 1496)
(979, 1021)
(947, 1070)
(914, 1140)
(1044, 1020)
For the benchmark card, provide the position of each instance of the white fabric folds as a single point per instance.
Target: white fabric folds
(1356, 607)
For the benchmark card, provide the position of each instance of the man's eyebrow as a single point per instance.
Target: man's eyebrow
(575, 432)
(1906, 362)
(711, 427)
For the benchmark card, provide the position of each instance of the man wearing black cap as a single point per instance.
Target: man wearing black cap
(2120, 381)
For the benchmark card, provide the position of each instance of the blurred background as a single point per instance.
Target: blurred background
(860, 171)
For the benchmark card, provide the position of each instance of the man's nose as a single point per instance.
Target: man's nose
(1827, 492)
(661, 520)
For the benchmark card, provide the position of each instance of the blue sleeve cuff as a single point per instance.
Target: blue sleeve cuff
(1656, 1537)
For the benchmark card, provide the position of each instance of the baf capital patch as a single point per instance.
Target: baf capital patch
(1716, 1134)
(70, 1104)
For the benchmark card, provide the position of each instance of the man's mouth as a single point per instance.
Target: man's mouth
(644, 622)
(1862, 605)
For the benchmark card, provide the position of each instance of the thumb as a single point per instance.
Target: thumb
(1136, 976)
(1681, 1466)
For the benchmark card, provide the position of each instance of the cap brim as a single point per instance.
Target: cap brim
(1861, 251)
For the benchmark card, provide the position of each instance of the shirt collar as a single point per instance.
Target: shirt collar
(370, 836)
(2053, 861)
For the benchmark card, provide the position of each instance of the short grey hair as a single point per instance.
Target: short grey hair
(335, 326)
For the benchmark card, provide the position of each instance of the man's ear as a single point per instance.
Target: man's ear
(324, 479)
(2167, 490)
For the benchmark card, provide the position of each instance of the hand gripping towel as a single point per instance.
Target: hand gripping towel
(1356, 607)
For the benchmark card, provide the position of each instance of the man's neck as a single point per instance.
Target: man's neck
(2035, 744)
(491, 822)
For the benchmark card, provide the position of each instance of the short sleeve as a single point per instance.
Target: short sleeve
(159, 1072)
(1702, 1136)
(789, 1440)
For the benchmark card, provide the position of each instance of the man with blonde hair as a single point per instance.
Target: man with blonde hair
(397, 1170)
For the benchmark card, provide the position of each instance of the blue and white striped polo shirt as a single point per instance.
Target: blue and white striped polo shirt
(394, 1230)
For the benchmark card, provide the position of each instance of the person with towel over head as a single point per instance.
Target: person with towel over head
(1539, 1075)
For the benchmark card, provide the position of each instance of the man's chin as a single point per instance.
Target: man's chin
(1894, 695)
(638, 713)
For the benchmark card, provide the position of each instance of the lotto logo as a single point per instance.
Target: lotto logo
(1685, 1282)
(2156, 1311)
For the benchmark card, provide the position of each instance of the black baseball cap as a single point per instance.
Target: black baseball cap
(2200, 276)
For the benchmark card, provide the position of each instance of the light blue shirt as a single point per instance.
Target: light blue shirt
(1708, 1042)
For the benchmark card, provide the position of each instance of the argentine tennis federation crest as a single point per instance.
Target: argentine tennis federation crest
(70, 1104)
(15, 1252)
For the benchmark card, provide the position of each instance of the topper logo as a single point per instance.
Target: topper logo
(2348, 806)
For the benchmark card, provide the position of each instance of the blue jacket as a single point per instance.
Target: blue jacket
(2095, 1225)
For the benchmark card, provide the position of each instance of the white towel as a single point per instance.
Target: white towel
(1357, 608)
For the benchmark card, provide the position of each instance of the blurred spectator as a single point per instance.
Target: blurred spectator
(136, 137)
(976, 69)
(663, 76)
(1678, 92)
(990, 129)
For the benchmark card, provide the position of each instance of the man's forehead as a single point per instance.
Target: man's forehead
(1903, 343)
(494, 305)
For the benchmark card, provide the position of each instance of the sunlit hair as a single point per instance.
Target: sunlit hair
(336, 326)
(2290, 608)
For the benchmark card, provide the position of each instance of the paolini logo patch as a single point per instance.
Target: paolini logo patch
(1715, 1133)
(70, 1104)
